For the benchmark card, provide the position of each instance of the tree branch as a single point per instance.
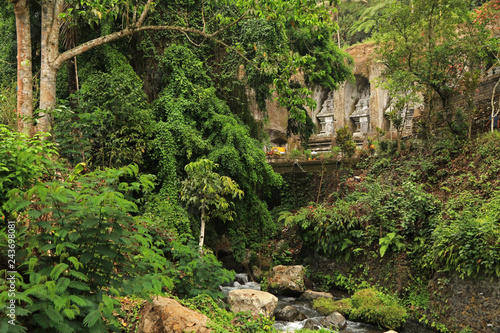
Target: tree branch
(230, 25)
(130, 31)
(143, 14)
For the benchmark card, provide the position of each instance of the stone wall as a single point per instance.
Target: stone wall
(462, 303)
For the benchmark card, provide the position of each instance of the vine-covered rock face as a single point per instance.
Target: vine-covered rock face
(255, 301)
(167, 315)
(286, 280)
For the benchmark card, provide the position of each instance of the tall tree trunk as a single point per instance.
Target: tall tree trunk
(202, 229)
(49, 52)
(24, 67)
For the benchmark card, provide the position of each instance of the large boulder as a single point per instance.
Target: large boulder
(290, 313)
(286, 280)
(255, 301)
(335, 321)
(168, 315)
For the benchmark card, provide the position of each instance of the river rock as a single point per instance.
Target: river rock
(286, 280)
(334, 321)
(290, 313)
(167, 315)
(256, 273)
(255, 301)
(310, 295)
(313, 324)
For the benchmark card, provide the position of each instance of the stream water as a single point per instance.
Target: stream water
(305, 307)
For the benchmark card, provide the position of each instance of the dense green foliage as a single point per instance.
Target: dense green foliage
(194, 123)
(81, 243)
(94, 225)
(23, 161)
(110, 127)
(423, 49)
(82, 247)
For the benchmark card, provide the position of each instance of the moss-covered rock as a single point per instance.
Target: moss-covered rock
(374, 307)
(326, 306)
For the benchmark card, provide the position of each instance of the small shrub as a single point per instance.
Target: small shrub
(377, 308)
(295, 153)
(345, 142)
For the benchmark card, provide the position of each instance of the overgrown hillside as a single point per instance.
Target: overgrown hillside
(406, 221)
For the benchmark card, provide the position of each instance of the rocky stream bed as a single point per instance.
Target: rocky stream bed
(294, 313)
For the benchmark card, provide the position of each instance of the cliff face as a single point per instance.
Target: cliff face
(361, 105)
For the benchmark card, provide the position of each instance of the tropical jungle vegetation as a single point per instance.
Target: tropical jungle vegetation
(129, 148)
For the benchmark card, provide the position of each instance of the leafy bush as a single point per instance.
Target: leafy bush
(469, 242)
(326, 306)
(329, 229)
(111, 124)
(194, 274)
(23, 160)
(82, 246)
(169, 220)
(375, 307)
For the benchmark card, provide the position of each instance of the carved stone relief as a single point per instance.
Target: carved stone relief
(326, 116)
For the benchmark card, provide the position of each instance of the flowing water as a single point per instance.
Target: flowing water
(305, 307)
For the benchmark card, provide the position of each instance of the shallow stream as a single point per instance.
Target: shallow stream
(305, 307)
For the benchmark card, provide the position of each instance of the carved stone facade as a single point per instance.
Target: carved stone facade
(361, 104)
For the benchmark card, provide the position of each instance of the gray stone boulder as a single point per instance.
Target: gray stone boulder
(167, 315)
(286, 280)
(255, 301)
(310, 295)
(335, 321)
(313, 324)
(290, 313)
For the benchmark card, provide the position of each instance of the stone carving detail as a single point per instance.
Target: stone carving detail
(325, 117)
(361, 114)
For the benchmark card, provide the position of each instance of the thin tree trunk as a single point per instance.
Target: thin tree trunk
(202, 229)
(320, 183)
(398, 139)
(24, 67)
(493, 113)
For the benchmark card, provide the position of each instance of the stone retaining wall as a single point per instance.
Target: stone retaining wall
(462, 303)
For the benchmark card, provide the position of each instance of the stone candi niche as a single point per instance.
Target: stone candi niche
(361, 114)
(326, 117)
